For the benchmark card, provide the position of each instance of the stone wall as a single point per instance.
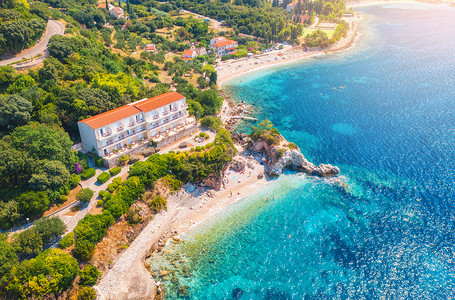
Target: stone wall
(113, 161)
(180, 135)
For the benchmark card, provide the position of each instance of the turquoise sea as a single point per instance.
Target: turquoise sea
(384, 113)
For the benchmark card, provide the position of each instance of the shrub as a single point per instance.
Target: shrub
(62, 199)
(280, 152)
(111, 187)
(98, 160)
(172, 182)
(84, 195)
(88, 173)
(157, 204)
(89, 275)
(86, 293)
(90, 230)
(130, 190)
(83, 160)
(133, 216)
(292, 146)
(105, 195)
(66, 241)
(114, 184)
(115, 171)
(123, 159)
(212, 122)
(133, 159)
(74, 180)
(103, 177)
(117, 181)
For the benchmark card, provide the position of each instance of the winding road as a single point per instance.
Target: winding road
(53, 28)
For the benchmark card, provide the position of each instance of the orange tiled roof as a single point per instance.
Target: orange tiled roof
(188, 52)
(158, 101)
(128, 110)
(293, 3)
(101, 5)
(111, 116)
(225, 43)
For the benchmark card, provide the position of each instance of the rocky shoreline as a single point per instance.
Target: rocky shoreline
(286, 155)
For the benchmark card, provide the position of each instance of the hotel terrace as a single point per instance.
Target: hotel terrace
(129, 129)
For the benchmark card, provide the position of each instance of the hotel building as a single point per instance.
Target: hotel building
(129, 129)
(222, 46)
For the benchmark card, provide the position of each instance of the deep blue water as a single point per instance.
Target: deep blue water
(384, 113)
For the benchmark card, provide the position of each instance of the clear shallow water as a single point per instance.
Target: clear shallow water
(384, 113)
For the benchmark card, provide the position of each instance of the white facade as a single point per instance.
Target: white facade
(222, 46)
(134, 123)
(291, 6)
(116, 11)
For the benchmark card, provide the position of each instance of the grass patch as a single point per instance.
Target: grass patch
(306, 31)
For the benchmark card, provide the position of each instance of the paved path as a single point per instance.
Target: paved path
(72, 220)
(53, 28)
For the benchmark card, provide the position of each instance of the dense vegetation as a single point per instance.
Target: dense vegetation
(21, 24)
(266, 132)
(26, 271)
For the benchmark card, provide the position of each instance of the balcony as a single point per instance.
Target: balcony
(121, 138)
(140, 121)
(135, 132)
(166, 121)
(105, 134)
(156, 117)
(120, 128)
(125, 149)
(131, 124)
(174, 109)
(106, 144)
(165, 113)
(172, 131)
(184, 106)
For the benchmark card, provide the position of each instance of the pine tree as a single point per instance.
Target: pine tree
(107, 7)
(213, 78)
(128, 6)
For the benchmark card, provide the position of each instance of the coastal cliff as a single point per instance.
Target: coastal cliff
(283, 156)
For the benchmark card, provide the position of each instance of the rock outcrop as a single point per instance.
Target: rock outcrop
(280, 158)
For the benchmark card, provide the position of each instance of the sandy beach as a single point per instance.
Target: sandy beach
(231, 69)
(128, 278)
